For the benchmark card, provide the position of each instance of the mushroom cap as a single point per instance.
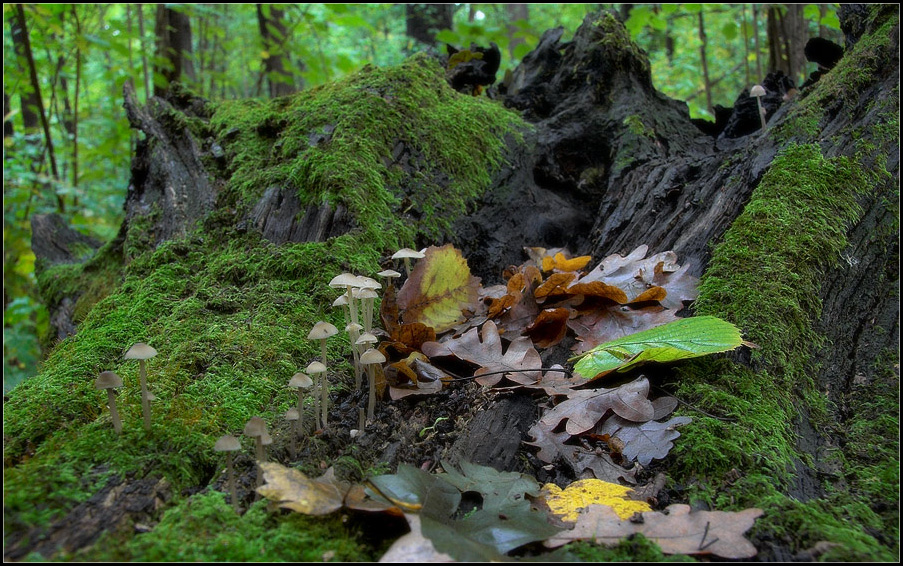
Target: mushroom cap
(353, 326)
(372, 356)
(757, 90)
(407, 252)
(366, 293)
(322, 330)
(140, 351)
(345, 280)
(367, 338)
(292, 414)
(227, 443)
(390, 273)
(341, 301)
(107, 380)
(300, 380)
(255, 426)
(370, 283)
(316, 367)
(266, 439)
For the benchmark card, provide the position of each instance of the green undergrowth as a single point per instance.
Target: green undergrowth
(227, 311)
(204, 528)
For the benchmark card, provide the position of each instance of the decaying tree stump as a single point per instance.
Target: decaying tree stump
(607, 164)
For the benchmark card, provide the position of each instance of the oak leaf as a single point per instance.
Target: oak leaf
(552, 447)
(646, 441)
(677, 530)
(291, 489)
(521, 360)
(584, 408)
(610, 322)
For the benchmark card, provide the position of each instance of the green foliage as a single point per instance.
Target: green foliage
(678, 340)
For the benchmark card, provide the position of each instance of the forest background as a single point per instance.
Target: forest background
(68, 145)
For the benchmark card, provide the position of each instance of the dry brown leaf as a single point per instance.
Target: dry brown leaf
(552, 446)
(485, 350)
(549, 328)
(646, 441)
(677, 530)
(584, 408)
(610, 322)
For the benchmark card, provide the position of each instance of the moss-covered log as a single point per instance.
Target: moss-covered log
(239, 214)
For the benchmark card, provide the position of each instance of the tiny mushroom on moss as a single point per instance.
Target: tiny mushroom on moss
(758, 91)
(142, 352)
(318, 370)
(256, 427)
(389, 275)
(347, 281)
(372, 358)
(407, 254)
(110, 381)
(322, 331)
(229, 444)
(354, 332)
(300, 381)
(368, 296)
(342, 302)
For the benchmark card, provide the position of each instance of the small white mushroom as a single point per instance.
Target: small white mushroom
(758, 91)
(229, 444)
(256, 427)
(318, 370)
(370, 359)
(407, 254)
(347, 281)
(300, 381)
(293, 416)
(110, 381)
(142, 352)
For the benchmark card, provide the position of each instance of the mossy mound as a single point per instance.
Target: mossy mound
(227, 311)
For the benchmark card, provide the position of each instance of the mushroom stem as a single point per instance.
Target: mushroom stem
(371, 400)
(761, 111)
(261, 457)
(145, 402)
(114, 414)
(300, 425)
(324, 398)
(233, 492)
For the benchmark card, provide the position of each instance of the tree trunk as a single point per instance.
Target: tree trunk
(173, 31)
(273, 32)
(28, 98)
(425, 20)
(793, 230)
(787, 40)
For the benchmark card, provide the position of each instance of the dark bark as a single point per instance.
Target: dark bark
(173, 31)
(271, 21)
(425, 20)
(28, 97)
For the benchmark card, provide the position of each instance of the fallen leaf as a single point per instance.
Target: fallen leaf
(485, 349)
(681, 339)
(291, 489)
(611, 322)
(439, 290)
(553, 447)
(413, 547)
(549, 328)
(677, 530)
(584, 408)
(567, 503)
(646, 441)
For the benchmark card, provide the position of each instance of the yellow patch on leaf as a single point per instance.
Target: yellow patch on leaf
(567, 503)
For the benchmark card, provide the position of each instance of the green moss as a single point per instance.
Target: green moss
(357, 141)
(633, 549)
(204, 528)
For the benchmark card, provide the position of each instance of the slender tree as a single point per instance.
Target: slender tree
(274, 34)
(515, 13)
(173, 32)
(704, 60)
(36, 86)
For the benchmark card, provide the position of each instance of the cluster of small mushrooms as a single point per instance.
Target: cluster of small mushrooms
(357, 303)
(110, 381)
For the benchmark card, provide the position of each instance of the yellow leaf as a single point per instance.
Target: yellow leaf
(561, 263)
(439, 290)
(293, 490)
(568, 503)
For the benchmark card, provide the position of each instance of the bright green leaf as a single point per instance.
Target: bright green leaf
(678, 340)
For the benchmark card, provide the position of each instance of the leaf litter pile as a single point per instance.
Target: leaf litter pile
(447, 338)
